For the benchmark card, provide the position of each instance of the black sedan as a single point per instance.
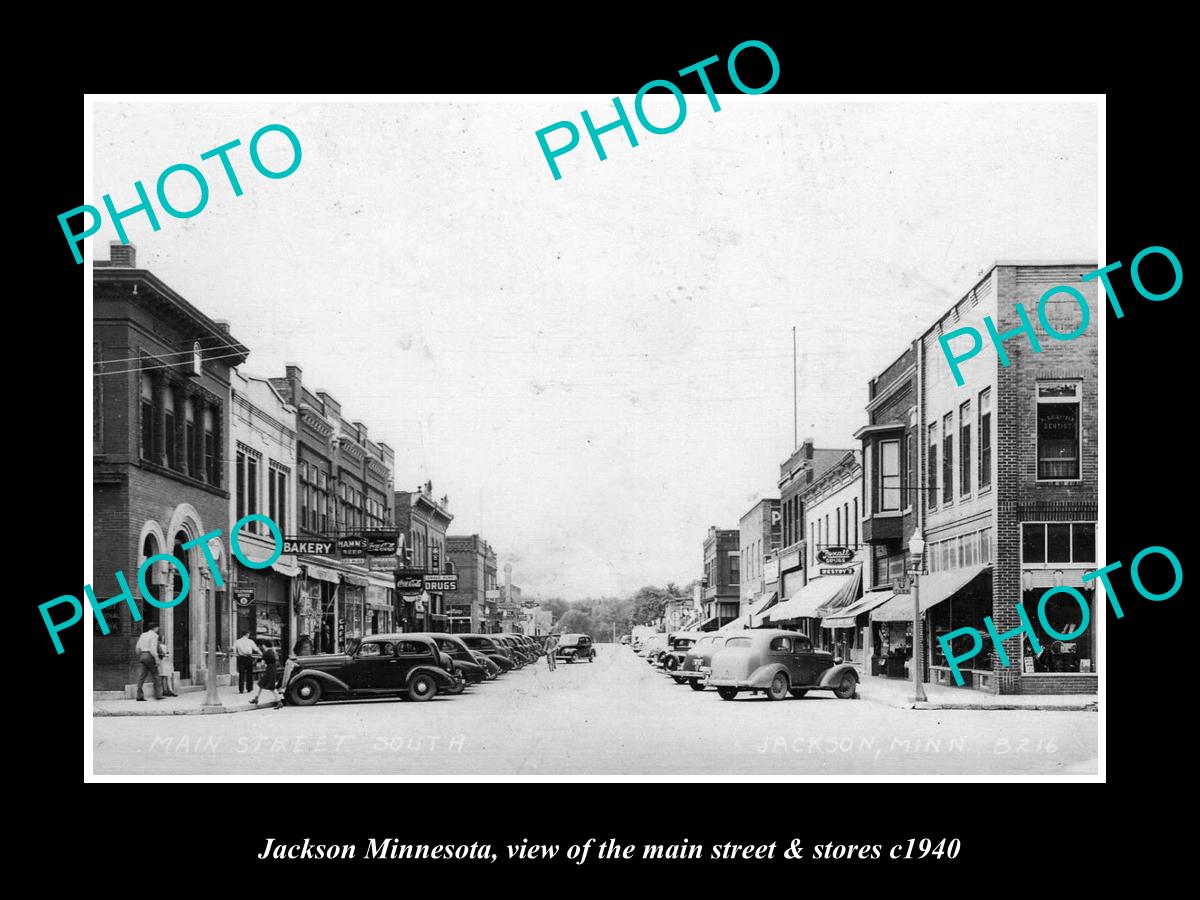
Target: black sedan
(407, 665)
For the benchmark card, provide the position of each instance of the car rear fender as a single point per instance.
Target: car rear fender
(762, 676)
(441, 676)
(322, 676)
(831, 676)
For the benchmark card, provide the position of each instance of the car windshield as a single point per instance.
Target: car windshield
(455, 649)
(684, 643)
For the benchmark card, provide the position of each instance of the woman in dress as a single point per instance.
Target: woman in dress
(269, 680)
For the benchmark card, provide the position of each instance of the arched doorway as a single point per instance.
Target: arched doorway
(150, 612)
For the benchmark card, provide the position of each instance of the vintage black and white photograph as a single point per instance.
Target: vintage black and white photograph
(472, 437)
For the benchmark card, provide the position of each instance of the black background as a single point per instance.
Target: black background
(125, 829)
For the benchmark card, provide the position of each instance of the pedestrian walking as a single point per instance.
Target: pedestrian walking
(551, 647)
(246, 650)
(147, 651)
(269, 680)
(166, 671)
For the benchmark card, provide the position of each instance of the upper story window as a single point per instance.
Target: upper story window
(1058, 430)
(1058, 542)
(985, 439)
(169, 428)
(964, 449)
(887, 465)
(948, 458)
(147, 415)
(931, 475)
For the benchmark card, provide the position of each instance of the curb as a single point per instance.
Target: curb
(1089, 706)
(193, 711)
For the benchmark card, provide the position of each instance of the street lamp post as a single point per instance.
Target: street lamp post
(916, 552)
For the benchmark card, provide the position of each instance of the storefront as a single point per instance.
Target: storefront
(802, 611)
(261, 601)
(949, 600)
(379, 605)
(317, 597)
(854, 639)
(353, 607)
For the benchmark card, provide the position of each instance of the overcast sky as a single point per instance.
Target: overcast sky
(596, 369)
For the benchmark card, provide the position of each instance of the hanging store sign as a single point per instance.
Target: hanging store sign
(320, 547)
(410, 583)
(443, 584)
(352, 546)
(835, 555)
(382, 543)
(243, 596)
(383, 563)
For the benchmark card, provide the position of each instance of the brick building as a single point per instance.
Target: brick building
(474, 607)
(160, 474)
(343, 489)
(1010, 500)
(424, 521)
(796, 473)
(760, 535)
(719, 600)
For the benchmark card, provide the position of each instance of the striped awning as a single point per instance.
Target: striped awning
(811, 598)
(846, 617)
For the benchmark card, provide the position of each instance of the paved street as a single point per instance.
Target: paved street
(616, 716)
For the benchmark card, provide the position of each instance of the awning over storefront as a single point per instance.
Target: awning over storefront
(811, 597)
(321, 573)
(766, 603)
(845, 617)
(933, 590)
(848, 595)
(709, 624)
(738, 624)
(356, 580)
(376, 581)
(286, 565)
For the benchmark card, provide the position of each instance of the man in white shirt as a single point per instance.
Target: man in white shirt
(246, 650)
(147, 651)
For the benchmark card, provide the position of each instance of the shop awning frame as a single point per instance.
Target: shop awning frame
(933, 590)
(810, 598)
(846, 617)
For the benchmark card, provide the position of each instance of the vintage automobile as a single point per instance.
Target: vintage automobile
(626, 639)
(778, 663)
(696, 663)
(490, 669)
(378, 665)
(678, 645)
(494, 650)
(572, 647)
(515, 650)
(464, 660)
(651, 646)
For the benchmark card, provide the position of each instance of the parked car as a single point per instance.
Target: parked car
(652, 645)
(572, 647)
(494, 650)
(678, 645)
(408, 665)
(626, 639)
(698, 660)
(515, 650)
(778, 663)
(464, 660)
(490, 669)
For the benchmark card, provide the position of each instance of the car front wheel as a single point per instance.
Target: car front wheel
(727, 693)
(456, 688)
(845, 690)
(696, 684)
(305, 691)
(779, 687)
(422, 687)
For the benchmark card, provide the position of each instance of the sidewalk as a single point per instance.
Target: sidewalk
(898, 693)
(186, 704)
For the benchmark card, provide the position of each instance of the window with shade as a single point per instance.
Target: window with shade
(147, 414)
(210, 446)
(888, 467)
(985, 439)
(190, 454)
(169, 428)
(932, 474)
(1058, 430)
(964, 449)
(948, 458)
